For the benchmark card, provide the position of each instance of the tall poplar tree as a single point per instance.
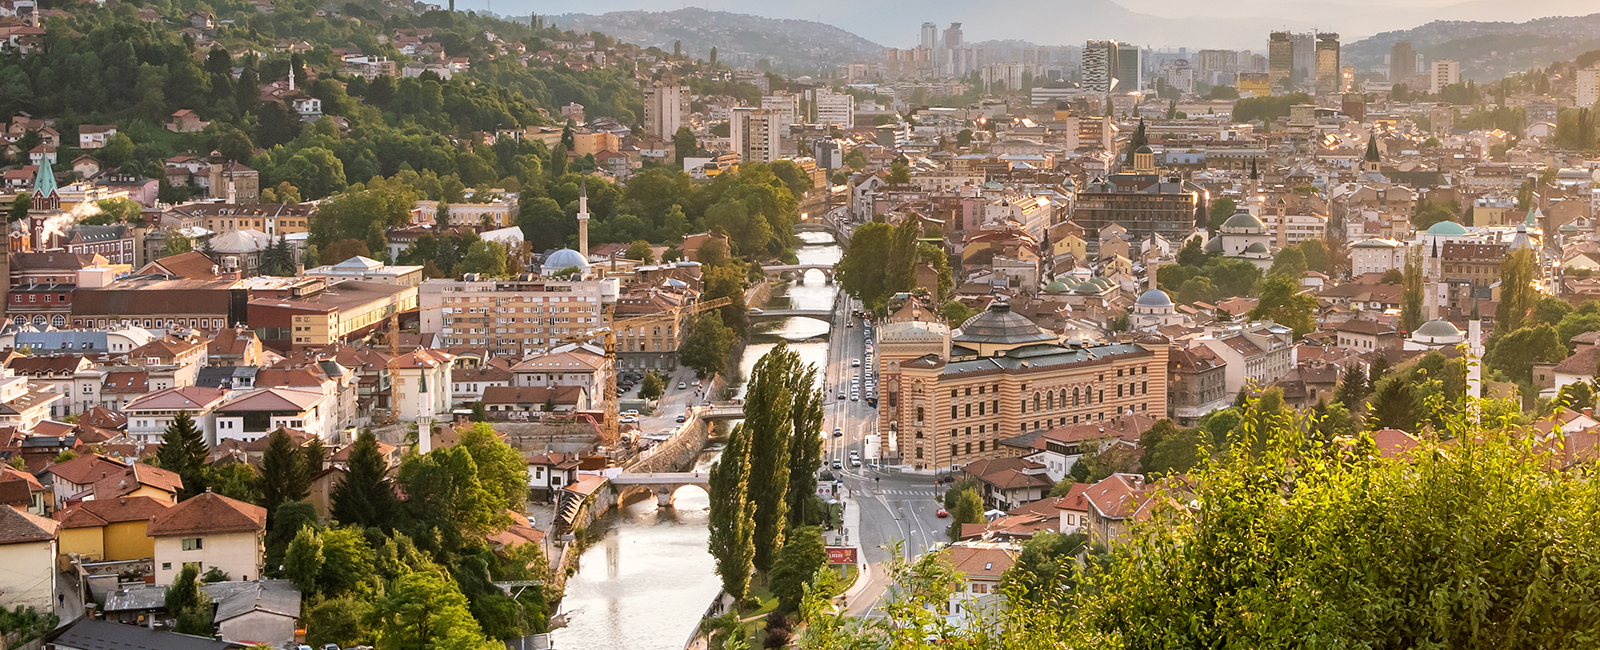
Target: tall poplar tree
(1516, 290)
(1411, 292)
(805, 444)
(732, 542)
(769, 413)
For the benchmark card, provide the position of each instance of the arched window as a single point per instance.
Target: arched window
(39, 320)
(1075, 397)
(1036, 402)
(1051, 399)
(58, 320)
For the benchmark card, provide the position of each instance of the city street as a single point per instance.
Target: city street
(672, 404)
(892, 507)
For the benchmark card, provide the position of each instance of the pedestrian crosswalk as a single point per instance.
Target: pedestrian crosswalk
(911, 493)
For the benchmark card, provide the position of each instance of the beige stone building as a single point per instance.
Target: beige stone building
(1004, 376)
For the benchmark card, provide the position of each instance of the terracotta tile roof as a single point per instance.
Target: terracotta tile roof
(1008, 473)
(86, 469)
(209, 512)
(1393, 442)
(421, 358)
(273, 399)
(99, 512)
(559, 395)
(981, 561)
(9, 473)
(1583, 362)
(136, 475)
(1119, 496)
(569, 361)
(54, 365)
(191, 398)
(19, 527)
(105, 418)
(127, 382)
(191, 265)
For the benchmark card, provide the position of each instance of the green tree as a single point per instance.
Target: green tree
(176, 244)
(1283, 302)
(1515, 352)
(731, 521)
(706, 345)
(502, 471)
(727, 281)
(1048, 562)
(1170, 450)
(966, 507)
(798, 563)
(955, 312)
(1289, 262)
(899, 174)
(117, 152)
(184, 451)
(1221, 209)
(20, 204)
(769, 421)
(640, 250)
(302, 563)
(1316, 256)
(1411, 291)
(653, 385)
(364, 497)
(805, 444)
(284, 476)
(684, 145)
(190, 606)
(1352, 389)
(1517, 290)
(423, 611)
(485, 257)
(340, 621)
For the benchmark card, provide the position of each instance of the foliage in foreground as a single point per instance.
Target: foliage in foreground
(1484, 541)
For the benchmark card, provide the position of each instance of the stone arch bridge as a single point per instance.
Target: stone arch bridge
(663, 484)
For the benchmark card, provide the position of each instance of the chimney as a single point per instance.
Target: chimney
(1588, 411)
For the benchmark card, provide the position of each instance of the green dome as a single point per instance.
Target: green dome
(1257, 247)
(1057, 287)
(1438, 328)
(1447, 229)
(1214, 245)
(1243, 219)
(1144, 149)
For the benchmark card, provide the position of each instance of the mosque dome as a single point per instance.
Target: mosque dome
(564, 258)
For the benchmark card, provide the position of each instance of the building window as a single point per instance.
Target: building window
(953, 450)
(191, 543)
(954, 411)
(919, 414)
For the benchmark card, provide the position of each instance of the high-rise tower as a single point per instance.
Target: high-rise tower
(1280, 60)
(1329, 74)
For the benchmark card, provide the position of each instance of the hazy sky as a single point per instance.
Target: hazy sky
(1240, 24)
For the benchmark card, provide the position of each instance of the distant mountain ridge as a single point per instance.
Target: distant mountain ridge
(1486, 50)
(740, 39)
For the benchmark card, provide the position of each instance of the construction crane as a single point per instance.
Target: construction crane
(609, 431)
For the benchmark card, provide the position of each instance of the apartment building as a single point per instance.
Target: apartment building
(666, 107)
(514, 317)
(755, 134)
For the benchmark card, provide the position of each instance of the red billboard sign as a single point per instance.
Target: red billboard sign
(841, 555)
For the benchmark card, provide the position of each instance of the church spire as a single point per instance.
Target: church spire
(44, 182)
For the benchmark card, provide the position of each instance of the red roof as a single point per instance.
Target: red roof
(209, 512)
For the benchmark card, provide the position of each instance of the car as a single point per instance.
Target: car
(855, 460)
(849, 324)
(682, 385)
(837, 464)
(628, 419)
(855, 397)
(682, 418)
(838, 432)
(631, 412)
(855, 363)
(941, 513)
(330, 646)
(841, 395)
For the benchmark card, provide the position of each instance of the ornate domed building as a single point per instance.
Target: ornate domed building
(998, 329)
(1153, 310)
(564, 259)
(1243, 236)
(1433, 335)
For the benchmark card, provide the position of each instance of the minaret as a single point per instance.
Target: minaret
(1372, 162)
(583, 218)
(1474, 355)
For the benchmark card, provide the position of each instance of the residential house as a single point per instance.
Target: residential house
(256, 414)
(23, 491)
(150, 415)
(210, 531)
(1366, 335)
(186, 121)
(77, 476)
(110, 529)
(1115, 504)
(468, 385)
(28, 550)
(95, 136)
(1255, 354)
(137, 480)
(549, 471)
(1006, 483)
(981, 566)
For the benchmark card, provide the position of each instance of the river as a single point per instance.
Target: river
(645, 584)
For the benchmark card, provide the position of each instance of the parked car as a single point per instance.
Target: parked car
(628, 419)
(682, 385)
(682, 418)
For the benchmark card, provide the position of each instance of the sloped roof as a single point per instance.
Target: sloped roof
(86, 469)
(273, 399)
(209, 512)
(182, 397)
(133, 477)
(20, 527)
(94, 513)
(981, 561)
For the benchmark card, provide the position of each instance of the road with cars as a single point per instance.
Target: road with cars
(893, 507)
